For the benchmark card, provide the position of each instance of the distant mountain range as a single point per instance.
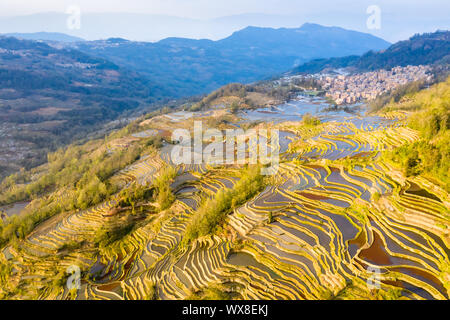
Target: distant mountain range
(153, 27)
(45, 36)
(188, 67)
(108, 77)
(143, 27)
(427, 48)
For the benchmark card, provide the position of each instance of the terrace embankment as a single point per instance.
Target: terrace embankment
(334, 222)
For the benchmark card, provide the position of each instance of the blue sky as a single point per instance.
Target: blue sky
(399, 19)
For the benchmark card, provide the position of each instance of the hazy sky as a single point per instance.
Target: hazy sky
(400, 18)
(216, 8)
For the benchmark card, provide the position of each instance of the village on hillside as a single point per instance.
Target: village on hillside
(345, 88)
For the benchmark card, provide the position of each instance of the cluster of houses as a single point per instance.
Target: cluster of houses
(348, 89)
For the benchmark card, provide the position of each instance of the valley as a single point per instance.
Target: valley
(306, 163)
(338, 220)
(56, 93)
(53, 93)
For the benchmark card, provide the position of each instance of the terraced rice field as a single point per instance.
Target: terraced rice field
(342, 229)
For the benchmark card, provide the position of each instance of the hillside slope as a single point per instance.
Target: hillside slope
(430, 115)
(422, 49)
(48, 95)
(139, 226)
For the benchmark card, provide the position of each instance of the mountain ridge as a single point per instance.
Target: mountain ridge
(191, 66)
(427, 48)
(154, 27)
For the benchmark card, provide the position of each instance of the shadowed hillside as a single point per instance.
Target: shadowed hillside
(422, 49)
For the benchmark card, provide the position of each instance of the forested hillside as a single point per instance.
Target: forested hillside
(427, 48)
(430, 115)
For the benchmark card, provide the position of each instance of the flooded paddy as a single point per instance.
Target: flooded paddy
(325, 225)
(296, 109)
(13, 209)
(244, 259)
(418, 191)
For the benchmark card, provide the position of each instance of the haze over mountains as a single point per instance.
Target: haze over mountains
(154, 27)
(46, 36)
(189, 67)
(142, 27)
